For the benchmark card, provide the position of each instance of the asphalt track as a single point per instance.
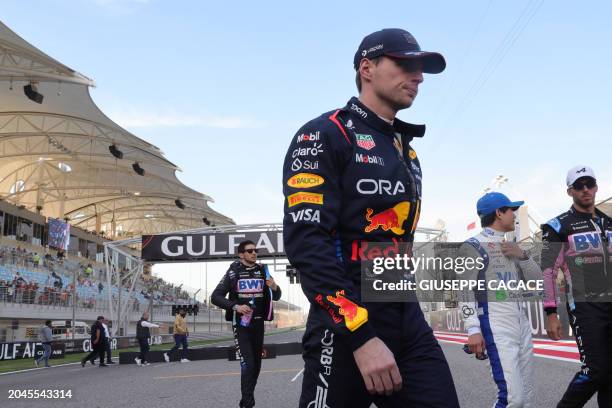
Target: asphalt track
(215, 383)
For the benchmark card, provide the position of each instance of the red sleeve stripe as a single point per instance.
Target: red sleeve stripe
(334, 119)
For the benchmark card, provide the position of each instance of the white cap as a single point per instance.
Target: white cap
(576, 172)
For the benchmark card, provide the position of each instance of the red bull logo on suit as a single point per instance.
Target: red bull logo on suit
(354, 316)
(391, 219)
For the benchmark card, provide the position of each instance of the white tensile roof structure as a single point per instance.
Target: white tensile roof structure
(606, 206)
(55, 156)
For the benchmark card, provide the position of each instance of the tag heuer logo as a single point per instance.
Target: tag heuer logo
(365, 141)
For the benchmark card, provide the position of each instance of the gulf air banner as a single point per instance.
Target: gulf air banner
(203, 247)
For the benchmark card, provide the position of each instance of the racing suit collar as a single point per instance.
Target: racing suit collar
(490, 232)
(598, 213)
(362, 112)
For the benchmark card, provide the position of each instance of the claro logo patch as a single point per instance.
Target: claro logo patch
(305, 180)
(302, 197)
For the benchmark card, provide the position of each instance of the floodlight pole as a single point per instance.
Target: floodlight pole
(194, 313)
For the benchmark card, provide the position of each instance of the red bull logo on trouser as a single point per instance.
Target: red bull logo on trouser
(391, 219)
(354, 316)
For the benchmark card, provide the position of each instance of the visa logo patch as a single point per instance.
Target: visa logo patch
(250, 285)
(586, 241)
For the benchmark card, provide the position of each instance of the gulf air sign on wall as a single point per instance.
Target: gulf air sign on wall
(201, 247)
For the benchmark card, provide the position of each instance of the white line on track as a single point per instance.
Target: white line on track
(36, 369)
(297, 375)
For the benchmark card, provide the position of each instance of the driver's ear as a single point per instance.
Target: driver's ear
(569, 189)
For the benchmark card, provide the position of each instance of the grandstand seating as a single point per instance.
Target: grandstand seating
(87, 287)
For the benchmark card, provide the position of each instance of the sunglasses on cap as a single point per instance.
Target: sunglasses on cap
(251, 250)
(588, 183)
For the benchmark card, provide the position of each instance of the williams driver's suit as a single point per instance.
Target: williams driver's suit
(501, 318)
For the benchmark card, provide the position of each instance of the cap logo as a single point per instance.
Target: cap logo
(582, 170)
(372, 49)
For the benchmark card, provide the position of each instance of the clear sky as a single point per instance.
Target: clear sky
(221, 87)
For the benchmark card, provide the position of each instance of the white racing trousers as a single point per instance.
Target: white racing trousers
(510, 348)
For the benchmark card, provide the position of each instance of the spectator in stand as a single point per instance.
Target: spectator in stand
(143, 334)
(45, 336)
(31, 290)
(44, 298)
(19, 289)
(3, 291)
(97, 343)
(88, 271)
(18, 278)
(64, 298)
(100, 287)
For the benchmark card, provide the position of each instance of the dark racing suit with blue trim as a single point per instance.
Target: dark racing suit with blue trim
(351, 178)
(246, 285)
(580, 245)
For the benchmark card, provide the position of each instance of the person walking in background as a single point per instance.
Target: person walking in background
(97, 342)
(45, 336)
(107, 346)
(497, 321)
(181, 332)
(107, 341)
(143, 334)
(578, 242)
(250, 291)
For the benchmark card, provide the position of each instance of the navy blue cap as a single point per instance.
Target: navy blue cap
(398, 43)
(488, 203)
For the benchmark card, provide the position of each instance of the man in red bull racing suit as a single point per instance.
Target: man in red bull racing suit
(351, 178)
(579, 243)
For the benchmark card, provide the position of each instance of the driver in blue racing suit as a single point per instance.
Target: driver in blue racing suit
(497, 321)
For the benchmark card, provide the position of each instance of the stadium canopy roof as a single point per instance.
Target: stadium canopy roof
(606, 206)
(55, 156)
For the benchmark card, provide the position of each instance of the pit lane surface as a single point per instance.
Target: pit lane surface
(215, 383)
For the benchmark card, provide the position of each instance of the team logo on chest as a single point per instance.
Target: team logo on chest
(365, 141)
(250, 285)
